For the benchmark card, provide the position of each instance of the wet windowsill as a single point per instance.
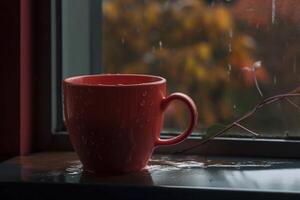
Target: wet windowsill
(167, 176)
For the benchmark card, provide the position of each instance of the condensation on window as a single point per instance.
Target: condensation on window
(226, 54)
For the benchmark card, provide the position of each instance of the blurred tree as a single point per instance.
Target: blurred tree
(197, 48)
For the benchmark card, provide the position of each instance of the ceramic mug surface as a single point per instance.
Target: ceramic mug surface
(114, 120)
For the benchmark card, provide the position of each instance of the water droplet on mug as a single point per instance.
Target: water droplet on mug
(144, 93)
(137, 120)
(142, 103)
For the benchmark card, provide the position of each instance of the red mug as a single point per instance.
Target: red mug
(114, 120)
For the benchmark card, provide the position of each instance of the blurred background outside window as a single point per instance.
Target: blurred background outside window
(209, 49)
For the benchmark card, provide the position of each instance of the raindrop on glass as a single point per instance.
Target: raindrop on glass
(160, 44)
(273, 11)
(295, 65)
(275, 80)
(286, 133)
(153, 49)
(229, 47)
(166, 5)
(138, 30)
(229, 67)
(230, 33)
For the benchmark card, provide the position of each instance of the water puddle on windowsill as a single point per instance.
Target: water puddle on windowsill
(172, 163)
(75, 168)
(166, 163)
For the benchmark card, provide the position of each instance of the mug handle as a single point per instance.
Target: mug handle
(192, 123)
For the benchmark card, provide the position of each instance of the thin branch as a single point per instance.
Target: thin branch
(256, 83)
(253, 69)
(272, 99)
(246, 129)
(292, 103)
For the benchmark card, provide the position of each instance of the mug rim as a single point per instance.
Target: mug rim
(70, 80)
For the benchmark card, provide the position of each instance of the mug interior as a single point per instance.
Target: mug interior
(115, 80)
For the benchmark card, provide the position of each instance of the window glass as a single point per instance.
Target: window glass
(226, 54)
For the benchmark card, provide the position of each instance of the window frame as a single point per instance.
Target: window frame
(48, 138)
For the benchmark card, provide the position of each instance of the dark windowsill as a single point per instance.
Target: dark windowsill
(57, 174)
(219, 146)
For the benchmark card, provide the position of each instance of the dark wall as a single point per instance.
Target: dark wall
(9, 80)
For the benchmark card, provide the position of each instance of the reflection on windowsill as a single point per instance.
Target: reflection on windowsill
(163, 170)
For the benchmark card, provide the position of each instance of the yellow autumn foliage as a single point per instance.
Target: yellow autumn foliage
(188, 42)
